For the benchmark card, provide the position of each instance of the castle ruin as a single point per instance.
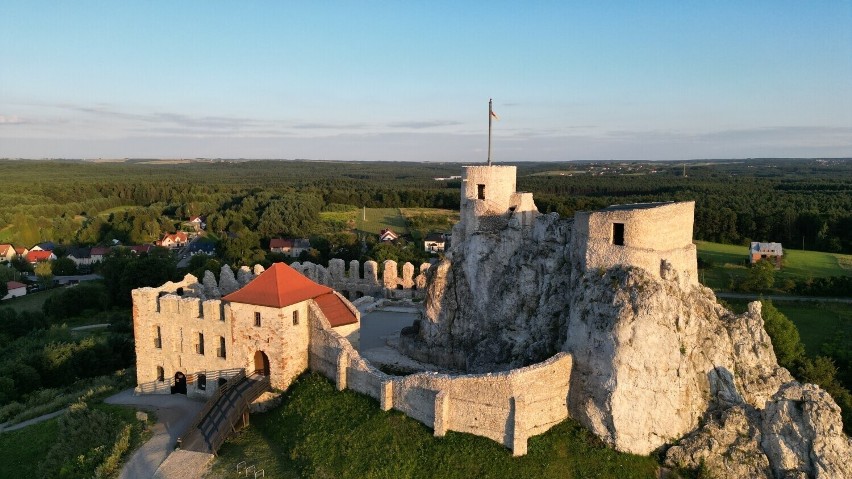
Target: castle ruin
(599, 317)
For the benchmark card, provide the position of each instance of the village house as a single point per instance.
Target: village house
(292, 247)
(16, 289)
(141, 248)
(99, 252)
(7, 252)
(173, 240)
(195, 223)
(772, 252)
(80, 256)
(37, 256)
(46, 246)
(434, 242)
(388, 235)
(21, 251)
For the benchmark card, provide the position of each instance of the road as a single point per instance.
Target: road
(781, 297)
(174, 413)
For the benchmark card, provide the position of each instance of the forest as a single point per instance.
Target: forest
(800, 203)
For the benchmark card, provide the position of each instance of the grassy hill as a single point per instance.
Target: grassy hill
(320, 432)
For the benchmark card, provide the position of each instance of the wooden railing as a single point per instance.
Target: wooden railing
(261, 384)
(208, 406)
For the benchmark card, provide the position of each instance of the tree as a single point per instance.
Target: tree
(44, 271)
(785, 337)
(64, 267)
(4, 289)
(760, 277)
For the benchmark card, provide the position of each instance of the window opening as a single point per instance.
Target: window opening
(480, 192)
(221, 351)
(161, 374)
(199, 348)
(158, 341)
(257, 318)
(202, 382)
(295, 318)
(618, 234)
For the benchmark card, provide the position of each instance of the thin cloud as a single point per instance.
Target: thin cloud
(12, 120)
(419, 125)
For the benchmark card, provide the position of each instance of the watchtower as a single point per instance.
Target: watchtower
(489, 200)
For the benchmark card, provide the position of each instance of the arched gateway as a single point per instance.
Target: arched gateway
(261, 363)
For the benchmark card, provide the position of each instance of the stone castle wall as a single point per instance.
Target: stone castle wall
(507, 407)
(657, 237)
(353, 284)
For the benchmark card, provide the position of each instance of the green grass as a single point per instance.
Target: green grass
(119, 209)
(379, 219)
(22, 450)
(7, 234)
(320, 432)
(817, 322)
(30, 301)
(728, 263)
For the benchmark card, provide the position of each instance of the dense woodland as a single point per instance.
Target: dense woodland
(795, 202)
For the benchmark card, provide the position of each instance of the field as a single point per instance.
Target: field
(415, 221)
(729, 263)
(30, 302)
(21, 450)
(320, 432)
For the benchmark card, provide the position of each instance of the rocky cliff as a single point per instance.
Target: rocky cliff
(499, 302)
(655, 362)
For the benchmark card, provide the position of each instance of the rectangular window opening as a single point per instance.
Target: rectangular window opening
(199, 348)
(257, 318)
(295, 318)
(158, 341)
(618, 234)
(221, 351)
(480, 192)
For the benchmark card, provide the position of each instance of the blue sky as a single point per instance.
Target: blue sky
(411, 80)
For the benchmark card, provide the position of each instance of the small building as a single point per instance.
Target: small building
(772, 252)
(21, 251)
(202, 247)
(16, 289)
(173, 240)
(37, 256)
(141, 248)
(7, 252)
(46, 246)
(292, 247)
(80, 256)
(435, 242)
(99, 252)
(388, 235)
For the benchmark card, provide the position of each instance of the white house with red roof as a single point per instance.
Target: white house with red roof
(263, 326)
(388, 235)
(292, 247)
(7, 252)
(173, 240)
(37, 256)
(16, 290)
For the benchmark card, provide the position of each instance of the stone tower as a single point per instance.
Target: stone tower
(489, 201)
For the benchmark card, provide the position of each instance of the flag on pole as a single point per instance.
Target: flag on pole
(494, 115)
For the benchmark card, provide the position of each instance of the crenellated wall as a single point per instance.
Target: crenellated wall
(507, 407)
(352, 284)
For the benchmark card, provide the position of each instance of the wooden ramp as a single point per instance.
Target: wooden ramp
(223, 413)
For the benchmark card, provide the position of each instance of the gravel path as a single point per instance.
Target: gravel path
(174, 413)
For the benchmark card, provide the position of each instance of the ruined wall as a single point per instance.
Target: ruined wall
(507, 407)
(180, 319)
(353, 284)
(657, 237)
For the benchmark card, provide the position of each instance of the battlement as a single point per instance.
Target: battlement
(353, 284)
(654, 236)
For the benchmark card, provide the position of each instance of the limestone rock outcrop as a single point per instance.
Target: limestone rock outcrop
(498, 302)
(649, 356)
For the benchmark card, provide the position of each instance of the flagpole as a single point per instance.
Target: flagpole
(490, 114)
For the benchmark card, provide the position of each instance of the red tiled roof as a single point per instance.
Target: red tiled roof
(277, 287)
(39, 255)
(4, 249)
(100, 250)
(20, 249)
(280, 243)
(14, 285)
(335, 310)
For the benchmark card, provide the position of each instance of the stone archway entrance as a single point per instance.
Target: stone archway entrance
(180, 383)
(261, 363)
